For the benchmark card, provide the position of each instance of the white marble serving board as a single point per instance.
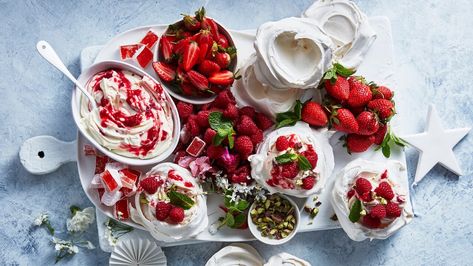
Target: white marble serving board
(378, 66)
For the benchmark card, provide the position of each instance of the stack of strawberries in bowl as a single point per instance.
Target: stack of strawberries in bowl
(196, 58)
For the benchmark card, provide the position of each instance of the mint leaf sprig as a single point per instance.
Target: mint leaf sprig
(223, 127)
(389, 141)
(289, 157)
(235, 215)
(355, 211)
(289, 118)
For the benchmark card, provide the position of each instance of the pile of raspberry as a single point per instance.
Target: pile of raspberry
(283, 174)
(380, 203)
(164, 211)
(248, 125)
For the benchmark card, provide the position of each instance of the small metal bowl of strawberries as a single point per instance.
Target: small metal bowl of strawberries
(196, 59)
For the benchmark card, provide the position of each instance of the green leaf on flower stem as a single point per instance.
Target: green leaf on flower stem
(242, 205)
(229, 220)
(239, 220)
(355, 212)
(74, 209)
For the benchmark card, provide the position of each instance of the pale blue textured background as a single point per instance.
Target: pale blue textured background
(433, 43)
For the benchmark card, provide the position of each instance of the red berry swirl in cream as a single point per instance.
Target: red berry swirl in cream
(133, 118)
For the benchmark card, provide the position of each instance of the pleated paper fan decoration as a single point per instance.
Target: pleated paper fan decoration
(141, 252)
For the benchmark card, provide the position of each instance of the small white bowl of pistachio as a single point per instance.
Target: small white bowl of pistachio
(275, 220)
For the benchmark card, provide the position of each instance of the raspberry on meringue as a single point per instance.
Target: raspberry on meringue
(299, 170)
(371, 199)
(348, 28)
(173, 179)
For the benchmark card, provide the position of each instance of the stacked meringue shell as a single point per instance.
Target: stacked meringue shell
(293, 54)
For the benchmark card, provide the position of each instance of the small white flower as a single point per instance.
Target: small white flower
(41, 219)
(65, 246)
(81, 220)
(112, 241)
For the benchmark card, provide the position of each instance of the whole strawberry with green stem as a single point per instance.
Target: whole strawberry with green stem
(336, 83)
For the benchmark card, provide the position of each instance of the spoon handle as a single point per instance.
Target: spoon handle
(47, 51)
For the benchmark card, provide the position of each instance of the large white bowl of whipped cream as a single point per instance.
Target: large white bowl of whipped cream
(294, 160)
(135, 122)
(371, 199)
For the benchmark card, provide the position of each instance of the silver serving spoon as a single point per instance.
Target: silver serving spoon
(46, 51)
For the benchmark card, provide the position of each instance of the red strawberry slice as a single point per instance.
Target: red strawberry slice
(222, 41)
(210, 24)
(128, 51)
(190, 56)
(166, 49)
(150, 39)
(223, 60)
(198, 80)
(121, 210)
(208, 67)
(181, 45)
(222, 78)
(164, 71)
(144, 57)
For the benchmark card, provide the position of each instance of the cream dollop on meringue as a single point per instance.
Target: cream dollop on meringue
(195, 220)
(370, 170)
(291, 53)
(249, 91)
(262, 162)
(348, 28)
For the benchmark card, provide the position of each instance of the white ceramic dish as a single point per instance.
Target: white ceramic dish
(190, 99)
(84, 78)
(257, 234)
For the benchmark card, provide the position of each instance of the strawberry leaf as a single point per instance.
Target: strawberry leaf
(343, 71)
(303, 163)
(355, 211)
